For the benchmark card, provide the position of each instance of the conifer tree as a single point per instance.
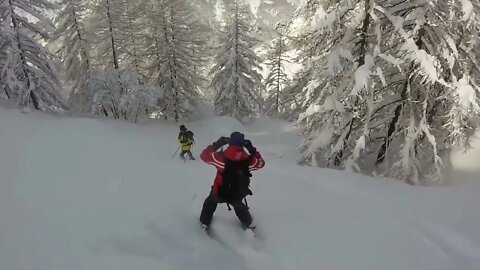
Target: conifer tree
(236, 78)
(29, 73)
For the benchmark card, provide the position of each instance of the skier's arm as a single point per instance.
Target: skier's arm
(256, 160)
(181, 139)
(209, 155)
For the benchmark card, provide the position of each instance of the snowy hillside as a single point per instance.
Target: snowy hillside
(80, 194)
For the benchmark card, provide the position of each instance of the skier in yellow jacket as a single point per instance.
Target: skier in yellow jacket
(185, 137)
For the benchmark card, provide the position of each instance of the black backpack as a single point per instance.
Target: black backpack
(236, 181)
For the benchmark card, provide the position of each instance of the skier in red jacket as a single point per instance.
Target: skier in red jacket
(231, 184)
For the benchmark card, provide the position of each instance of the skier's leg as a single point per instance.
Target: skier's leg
(182, 154)
(242, 213)
(190, 155)
(209, 207)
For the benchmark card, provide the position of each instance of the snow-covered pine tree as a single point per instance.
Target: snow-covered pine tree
(137, 98)
(74, 50)
(236, 79)
(153, 51)
(404, 80)
(175, 56)
(201, 46)
(336, 87)
(103, 24)
(28, 71)
(118, 30)
(134, 28)
(277, 78)
(116, 27)
(131, 25)
(437, 103)
(292, 98)
(205, 11)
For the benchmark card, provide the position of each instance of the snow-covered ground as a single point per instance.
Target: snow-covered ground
(86, 194)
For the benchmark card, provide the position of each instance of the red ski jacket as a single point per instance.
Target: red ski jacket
(235, 153)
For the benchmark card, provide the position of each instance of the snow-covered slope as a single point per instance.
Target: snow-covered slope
(85, 194)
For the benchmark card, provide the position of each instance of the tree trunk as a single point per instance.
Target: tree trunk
(34, 99)
(279, 71)
(79, 33)
(15, 24)
(114, 108)
(112, 40)
(170, 65)
(195, 64)
(6, 91)
(138, 110)
(236, 63)
(364, 34)
(339, 156)
(104, 111)
(392, 127)
(361, 61)
(174, 58)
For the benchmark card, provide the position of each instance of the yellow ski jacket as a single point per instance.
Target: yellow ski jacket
(186, 142)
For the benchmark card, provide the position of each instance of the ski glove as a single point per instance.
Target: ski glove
(220, 142)
(251, 149)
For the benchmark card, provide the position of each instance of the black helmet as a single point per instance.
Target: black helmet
(183, 128)
(237, 139)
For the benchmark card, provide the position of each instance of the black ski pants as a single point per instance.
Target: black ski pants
(210, 205)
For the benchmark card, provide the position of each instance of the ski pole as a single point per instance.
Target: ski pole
(176, 152)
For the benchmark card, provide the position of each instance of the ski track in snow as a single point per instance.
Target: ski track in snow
(452, 244)
(98, 194)
(228, 246)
